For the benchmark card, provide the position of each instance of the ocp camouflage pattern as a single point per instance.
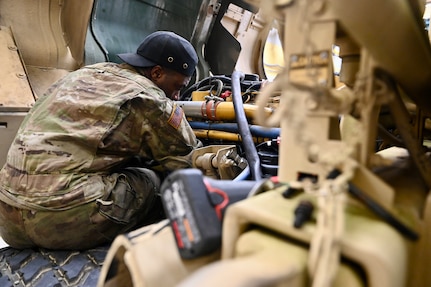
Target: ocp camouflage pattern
(82, 128)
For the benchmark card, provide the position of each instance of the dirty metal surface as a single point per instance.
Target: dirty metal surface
(15, 90)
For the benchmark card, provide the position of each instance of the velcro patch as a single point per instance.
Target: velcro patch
(176, 117)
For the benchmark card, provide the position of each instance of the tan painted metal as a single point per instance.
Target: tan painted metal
(379, 36)
(16, 95)
(15, 89)
(50, 35)
(219, 161)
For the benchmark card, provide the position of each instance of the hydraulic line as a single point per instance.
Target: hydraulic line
(243, 175)
(256, 131)
(217, 110)
(377, 209)
(249, 84)
(209, 134)
(247, 140)
(220, 135)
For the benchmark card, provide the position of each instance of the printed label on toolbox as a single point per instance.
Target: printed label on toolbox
(180, 213)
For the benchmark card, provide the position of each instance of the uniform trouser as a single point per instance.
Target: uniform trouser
(132, 203)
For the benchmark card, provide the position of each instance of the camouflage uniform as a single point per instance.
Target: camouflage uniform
(62, 186)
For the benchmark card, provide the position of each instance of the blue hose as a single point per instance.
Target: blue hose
(243, 175)
(247, 140)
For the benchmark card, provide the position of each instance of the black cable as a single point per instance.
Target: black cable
(226, 81)
(186, 95)
(378, 209)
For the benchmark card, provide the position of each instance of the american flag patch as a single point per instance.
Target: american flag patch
(176, 117)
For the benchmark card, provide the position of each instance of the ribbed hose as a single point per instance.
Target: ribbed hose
(247, 140)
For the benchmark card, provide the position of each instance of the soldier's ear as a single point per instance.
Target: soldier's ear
(156, 73)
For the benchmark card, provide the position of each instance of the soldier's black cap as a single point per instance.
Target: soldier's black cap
(166, 49)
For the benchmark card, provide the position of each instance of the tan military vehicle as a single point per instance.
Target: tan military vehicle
(315, 170)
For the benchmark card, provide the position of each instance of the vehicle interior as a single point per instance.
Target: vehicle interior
(306, 98)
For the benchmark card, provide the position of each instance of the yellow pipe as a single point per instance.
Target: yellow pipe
(226, 110)
(220, 135)
(216, 110)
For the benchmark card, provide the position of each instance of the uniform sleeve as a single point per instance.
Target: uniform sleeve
(166, 134)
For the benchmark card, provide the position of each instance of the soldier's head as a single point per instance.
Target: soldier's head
(165, 58)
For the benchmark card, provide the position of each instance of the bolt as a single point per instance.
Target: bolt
(303, 213)
(324, 55)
